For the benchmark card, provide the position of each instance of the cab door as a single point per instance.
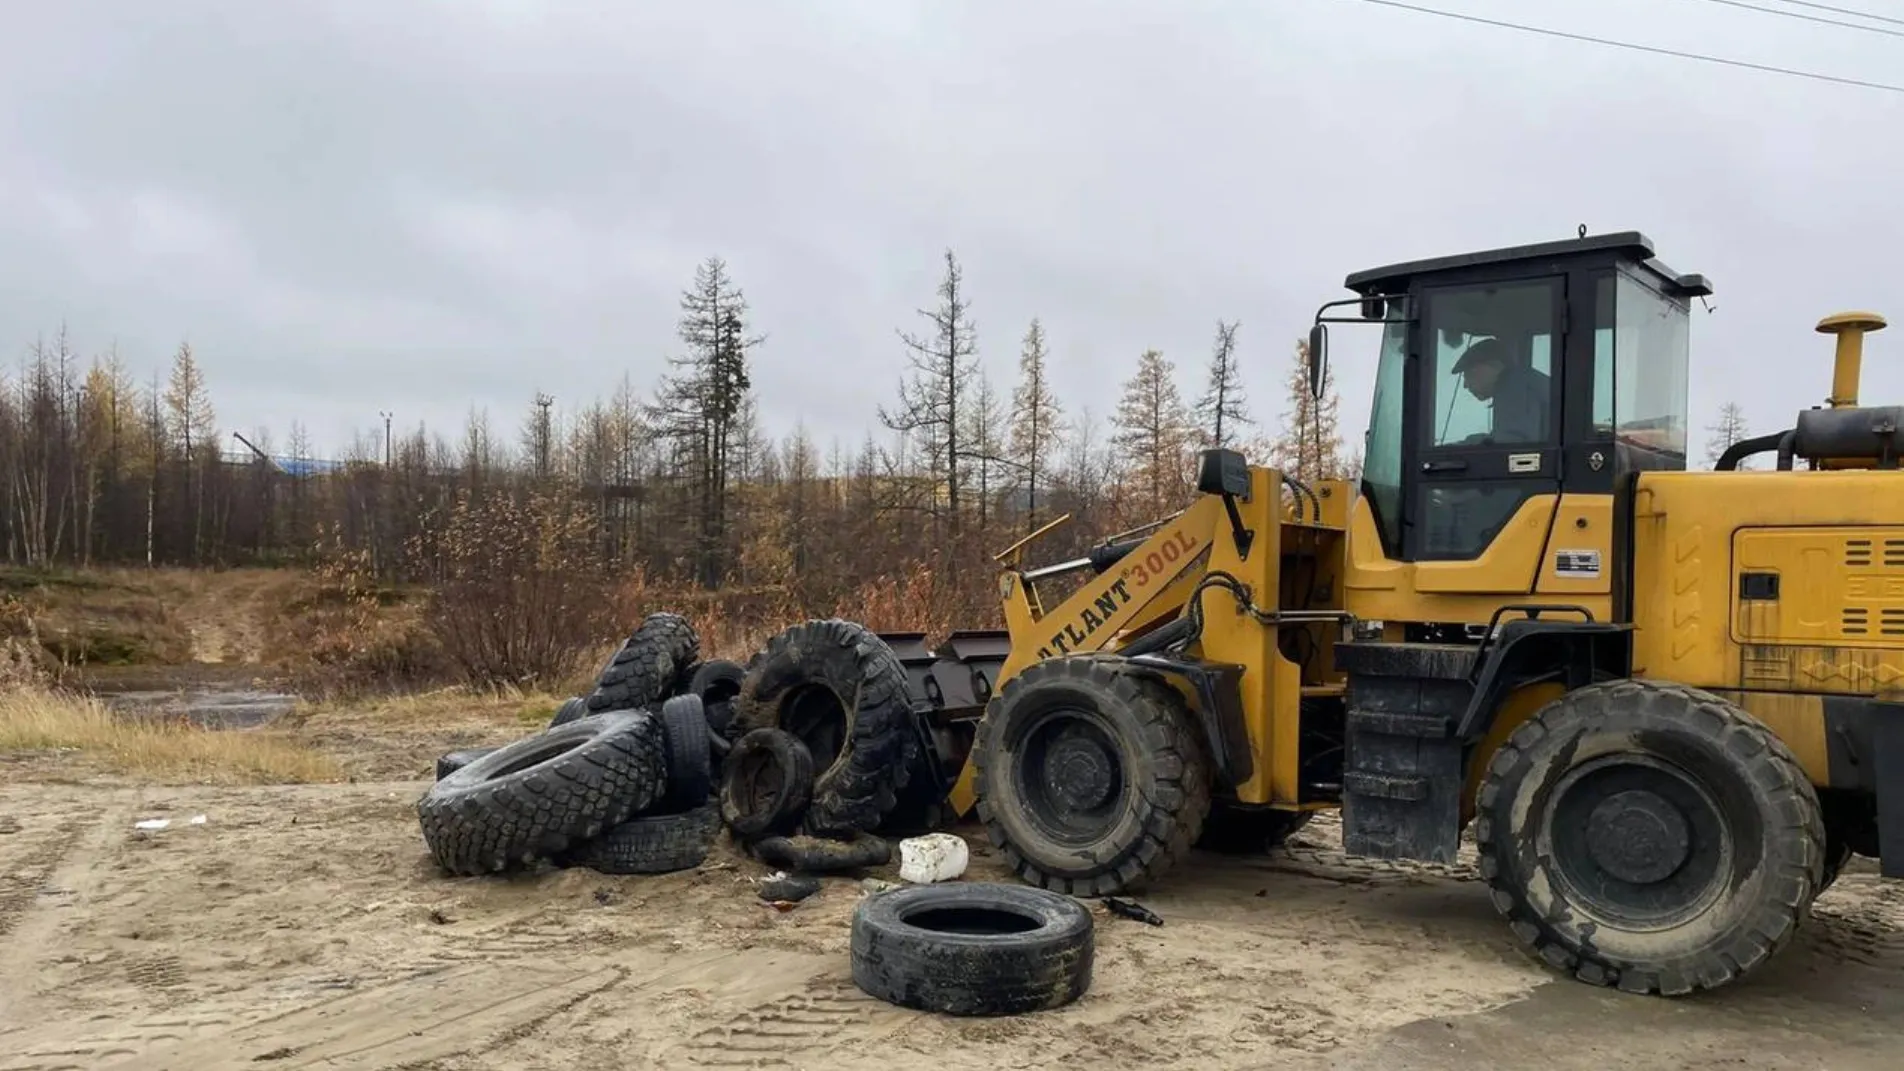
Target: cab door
(1486, 468)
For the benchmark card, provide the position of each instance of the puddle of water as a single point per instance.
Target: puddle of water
(220, 708)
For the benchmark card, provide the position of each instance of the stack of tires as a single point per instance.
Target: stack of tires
(823, 741)
(620, 782)
(814, 736)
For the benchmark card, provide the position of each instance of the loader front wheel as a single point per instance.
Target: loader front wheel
(1649, 836)
(1090, 777)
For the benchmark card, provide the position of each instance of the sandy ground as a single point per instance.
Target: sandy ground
(306, 927)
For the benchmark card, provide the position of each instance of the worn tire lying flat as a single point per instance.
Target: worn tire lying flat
(537, 797)
(651, 843)
(689, 744)
(973, 948)
(839, 688)
(573, 707)
(453, 761)
(766, 784)
(649, 666)
(1649, 836)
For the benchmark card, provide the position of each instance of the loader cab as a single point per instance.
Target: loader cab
(1507, 382)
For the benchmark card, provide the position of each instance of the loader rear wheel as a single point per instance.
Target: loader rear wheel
(1649, 836)
(1090, 776)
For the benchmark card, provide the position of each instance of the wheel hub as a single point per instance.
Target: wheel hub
(1079, 773)
(1638, 842)
(1638, 837)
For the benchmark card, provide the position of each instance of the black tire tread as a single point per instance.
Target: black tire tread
(1014, 974)
(1179, 802)
(881, 746)
(1774, 922)
(648, 666)
(651, 844)
(475, 826)
(689, 753)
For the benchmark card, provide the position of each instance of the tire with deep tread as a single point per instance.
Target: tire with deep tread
(651, 843)
(842, 690)
(689, 753)
(1748, 791)
(649, 666)
(452, 761)
(766, 784)
(1159, 789)
(534, 798)
(573, 707)
(973, 948)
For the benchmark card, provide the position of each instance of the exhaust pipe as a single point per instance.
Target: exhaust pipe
(1847, 364)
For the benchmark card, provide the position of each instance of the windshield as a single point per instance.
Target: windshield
(1382, 446)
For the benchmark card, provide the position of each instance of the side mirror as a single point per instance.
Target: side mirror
(1318, 355)
(1223, 472)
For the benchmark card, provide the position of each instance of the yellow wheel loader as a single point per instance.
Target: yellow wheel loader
(1667, 704)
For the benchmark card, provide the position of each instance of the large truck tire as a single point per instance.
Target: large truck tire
(689, 753)
(1649, 836)
(649, 666)
(534, 798)
(1091, 778)
(842, 691)
(651, 843)
(973, 948)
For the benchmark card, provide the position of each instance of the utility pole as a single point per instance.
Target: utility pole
(386, 438)
(543, 433)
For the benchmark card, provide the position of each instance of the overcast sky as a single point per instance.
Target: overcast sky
(428, 206)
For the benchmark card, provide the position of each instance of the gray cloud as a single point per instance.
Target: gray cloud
(349, 207)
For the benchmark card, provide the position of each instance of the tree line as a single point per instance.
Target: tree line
(678, 481)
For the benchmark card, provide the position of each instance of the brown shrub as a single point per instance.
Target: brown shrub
(518, 594)
(346, 632)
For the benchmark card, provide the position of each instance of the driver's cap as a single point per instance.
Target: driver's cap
(1487, 349)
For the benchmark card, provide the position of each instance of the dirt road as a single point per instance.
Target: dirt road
(305, 927)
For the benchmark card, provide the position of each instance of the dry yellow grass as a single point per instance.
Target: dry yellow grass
(42, 720)
(442, 708)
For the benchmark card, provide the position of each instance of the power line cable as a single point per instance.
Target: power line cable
(1632, 47)
(1855, 13)
(1819, 19)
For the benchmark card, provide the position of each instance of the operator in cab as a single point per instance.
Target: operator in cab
(1519, 394)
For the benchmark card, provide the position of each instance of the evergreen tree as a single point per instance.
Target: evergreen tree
(930, 402)
(1222, 412)
(1310, 447)
(1153, 433)
(1728, 429)
(1037, 421)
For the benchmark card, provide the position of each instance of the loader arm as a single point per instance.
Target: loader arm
(1142, 589)
(1145, 587)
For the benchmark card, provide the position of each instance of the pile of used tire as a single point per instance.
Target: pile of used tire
(816, 752)
(621, 780)
(812, 746)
